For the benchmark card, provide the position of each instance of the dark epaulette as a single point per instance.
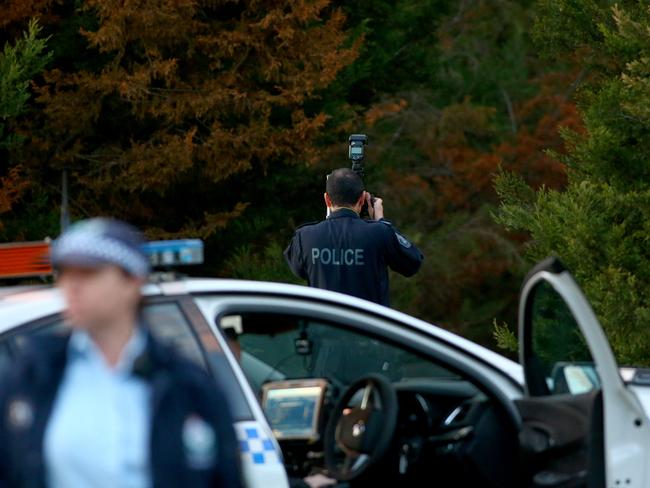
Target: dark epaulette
(382, 221)
(307, 224)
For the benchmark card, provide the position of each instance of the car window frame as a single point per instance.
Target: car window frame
(320, 328)
(447, 355)
(539, 381)
(188, 314)
(202, 331)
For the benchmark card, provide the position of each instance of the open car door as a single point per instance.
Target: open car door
(582, 427)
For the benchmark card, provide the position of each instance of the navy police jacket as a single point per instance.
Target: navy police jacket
(348, 254)
(179, 390)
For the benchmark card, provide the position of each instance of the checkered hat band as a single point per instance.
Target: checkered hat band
(78, 247)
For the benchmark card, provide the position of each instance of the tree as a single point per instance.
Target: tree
(599, 224)
(185, 117)
(464, 96)
(18, 65)
(493, 104)
(168, 105)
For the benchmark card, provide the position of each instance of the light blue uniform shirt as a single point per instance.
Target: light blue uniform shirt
(98, 433)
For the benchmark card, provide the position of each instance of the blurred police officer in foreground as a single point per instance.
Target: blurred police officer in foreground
(346, 253)
(107, 405)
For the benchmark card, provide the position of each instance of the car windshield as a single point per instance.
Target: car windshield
(275, 347)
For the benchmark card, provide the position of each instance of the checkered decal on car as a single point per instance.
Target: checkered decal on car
(254, 445)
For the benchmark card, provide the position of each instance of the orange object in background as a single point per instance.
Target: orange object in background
(25, 259)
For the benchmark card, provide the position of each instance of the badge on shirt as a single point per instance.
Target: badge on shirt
(21, 414)
(200, 443)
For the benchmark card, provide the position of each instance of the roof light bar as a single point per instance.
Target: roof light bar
(180, 252)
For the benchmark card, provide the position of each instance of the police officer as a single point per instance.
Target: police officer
(346, 253)
(106, 405)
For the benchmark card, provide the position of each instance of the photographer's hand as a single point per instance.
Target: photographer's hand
(375, 207)
(378, 208)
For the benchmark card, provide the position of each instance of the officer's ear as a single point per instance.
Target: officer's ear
(328, 200)
(362, 199)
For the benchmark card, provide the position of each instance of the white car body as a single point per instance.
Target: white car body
(626, 404)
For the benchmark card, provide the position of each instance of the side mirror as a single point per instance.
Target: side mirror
(573, 378)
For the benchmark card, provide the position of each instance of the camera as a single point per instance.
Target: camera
(356, 152)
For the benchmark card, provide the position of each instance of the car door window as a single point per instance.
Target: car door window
(560, 354)
(302, 366)
(275, 347)
(169, 325)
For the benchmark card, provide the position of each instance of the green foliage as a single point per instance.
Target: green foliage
(471, 274)
(556, 336)
(440, 85)
(18, 65)
(170, 114)
(516, 198)
(400, 44)
(569, 24)
(33, 218)
(268, 265)
(506, 339)
(600, 224)
(489, 63)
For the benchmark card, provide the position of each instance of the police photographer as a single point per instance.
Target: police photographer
(346, 253)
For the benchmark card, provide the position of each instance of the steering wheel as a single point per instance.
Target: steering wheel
(357, 437)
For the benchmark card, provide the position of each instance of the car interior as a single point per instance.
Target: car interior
(366, 412)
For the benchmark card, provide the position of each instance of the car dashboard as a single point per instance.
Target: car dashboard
(444, 425)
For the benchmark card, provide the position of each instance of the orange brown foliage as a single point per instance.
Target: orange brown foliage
(19, 11)
(462, 159)
(12, 187)
(187, 96)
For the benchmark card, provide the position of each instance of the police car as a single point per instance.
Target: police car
(323, 383)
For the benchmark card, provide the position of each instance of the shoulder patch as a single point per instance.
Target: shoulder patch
(404, 242)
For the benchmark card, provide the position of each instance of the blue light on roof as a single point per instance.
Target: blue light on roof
(174, 253)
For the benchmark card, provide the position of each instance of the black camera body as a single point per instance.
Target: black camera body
(356, 152)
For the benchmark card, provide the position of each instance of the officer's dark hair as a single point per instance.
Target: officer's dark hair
(344, 187)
